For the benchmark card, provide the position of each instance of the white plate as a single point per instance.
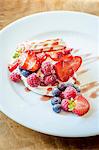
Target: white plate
(80, 31)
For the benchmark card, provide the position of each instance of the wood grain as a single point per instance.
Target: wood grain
(12, 135)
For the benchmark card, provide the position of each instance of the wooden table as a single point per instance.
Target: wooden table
(12, 135)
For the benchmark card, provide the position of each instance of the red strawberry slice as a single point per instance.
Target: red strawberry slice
(41, 57)
(63, 70)
(55, 55)
(76, 63)
(67, 58)
(28, 61)
(14, 65)
(82, 106)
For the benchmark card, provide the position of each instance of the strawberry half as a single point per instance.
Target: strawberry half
(28, 61)
(14, 65)
(41, 57)
(81, 105)
(63, 70)
(76, 63)
(55, 55)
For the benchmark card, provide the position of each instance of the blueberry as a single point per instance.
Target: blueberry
(77, 88)
(62, 87)
(56, 92)
(57, 108)
(56, 100)
(25, 73)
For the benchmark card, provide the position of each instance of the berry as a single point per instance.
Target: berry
(41, 57)
(82, 106)
(56, 100)
(55, 55)
(56, 92)
(57, 108)
(64, 104)
(25, 73)
(33, 80)
(47, 68)
(70, 92)
(76, 63)
(13, 66)
(62, 87)
(64, 70)
(14, 76)
(28, 61)
(50, 80)
(68, 104)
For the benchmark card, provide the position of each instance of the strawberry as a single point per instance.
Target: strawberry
(55, 55)
(76, 63)
(63, 70)
(14, 65)
(81, 105)
(28, 61)
(41, 57)
(67, 58)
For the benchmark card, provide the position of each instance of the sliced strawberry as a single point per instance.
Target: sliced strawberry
(76, 63)
(41, 57)
(33, 65)
(14, 65)
(81, 105)
(28, 61)
(24, 60)
(67, 58)
(55, 55)
(63, 70)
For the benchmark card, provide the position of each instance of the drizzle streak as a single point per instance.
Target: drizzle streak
(76, 81)
(82, 72)
(94, 94)
(88, 86)
(45, 98)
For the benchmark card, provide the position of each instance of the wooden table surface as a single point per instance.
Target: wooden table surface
(12, 135)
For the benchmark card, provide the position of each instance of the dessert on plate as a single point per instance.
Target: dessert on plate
(49, 68)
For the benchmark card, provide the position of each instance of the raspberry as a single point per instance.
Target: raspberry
(47, 68)
(64, 104)
(33, 80)
(14, 76)
(70, 92)
(50, 80)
